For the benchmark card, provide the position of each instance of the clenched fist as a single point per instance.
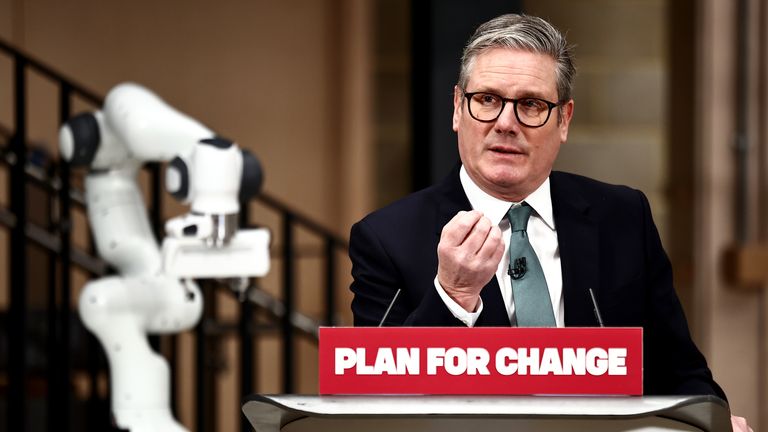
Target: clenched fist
(469, 253)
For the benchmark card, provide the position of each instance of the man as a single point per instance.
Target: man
(504, 241)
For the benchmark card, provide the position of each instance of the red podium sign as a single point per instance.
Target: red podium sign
(485, 360)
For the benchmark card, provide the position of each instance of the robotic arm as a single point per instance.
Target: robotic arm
(153, 292)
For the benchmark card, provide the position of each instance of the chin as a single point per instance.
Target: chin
(507, 177)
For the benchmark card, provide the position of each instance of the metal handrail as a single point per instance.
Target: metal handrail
(51, 73)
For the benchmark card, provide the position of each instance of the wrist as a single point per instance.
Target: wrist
(466, 297)
(468, 302)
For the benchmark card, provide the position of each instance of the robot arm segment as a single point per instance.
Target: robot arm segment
(86, 141)
(152, 130)
(134, 124)
(213, 178)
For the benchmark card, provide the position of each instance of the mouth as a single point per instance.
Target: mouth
(507, 150)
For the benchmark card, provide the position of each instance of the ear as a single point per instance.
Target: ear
(457, 100)
(566, 113)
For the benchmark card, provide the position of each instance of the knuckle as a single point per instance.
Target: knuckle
(462, 226)
(455, 225)
(484, 223)
(444, 250)
(461, 257)
(495, 232)
(476, 266)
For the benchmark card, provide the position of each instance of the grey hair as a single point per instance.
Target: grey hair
(523, 32)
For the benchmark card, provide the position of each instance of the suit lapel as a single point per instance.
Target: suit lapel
(452, 200)
(494, 311)
(578, 237)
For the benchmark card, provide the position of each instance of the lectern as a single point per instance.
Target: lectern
(293, 413)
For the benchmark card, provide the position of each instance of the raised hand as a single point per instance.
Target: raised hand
(468, 255)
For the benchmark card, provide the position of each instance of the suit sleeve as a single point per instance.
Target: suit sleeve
(377, 275)
(670, 355)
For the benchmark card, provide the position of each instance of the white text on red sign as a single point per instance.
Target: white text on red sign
(477, 361)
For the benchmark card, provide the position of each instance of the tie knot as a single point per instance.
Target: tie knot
(518, 217)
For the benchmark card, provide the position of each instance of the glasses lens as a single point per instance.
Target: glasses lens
(485, 106)
(532, 112)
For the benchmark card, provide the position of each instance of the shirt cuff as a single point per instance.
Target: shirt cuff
(468, 318)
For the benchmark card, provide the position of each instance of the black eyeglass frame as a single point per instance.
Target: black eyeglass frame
(550, 105)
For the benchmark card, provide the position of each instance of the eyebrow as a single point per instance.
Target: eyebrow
(523, 94)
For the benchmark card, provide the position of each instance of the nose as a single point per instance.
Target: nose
(507, 121)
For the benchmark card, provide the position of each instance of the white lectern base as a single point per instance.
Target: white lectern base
(487, 413)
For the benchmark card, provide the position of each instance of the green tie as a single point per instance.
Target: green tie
(533, 307)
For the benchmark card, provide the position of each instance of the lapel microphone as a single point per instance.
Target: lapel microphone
(518, 269)
(392, 303)
(596, 309)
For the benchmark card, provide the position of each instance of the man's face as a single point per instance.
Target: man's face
(506, 159)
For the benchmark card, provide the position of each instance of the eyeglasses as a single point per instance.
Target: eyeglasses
(487, 107)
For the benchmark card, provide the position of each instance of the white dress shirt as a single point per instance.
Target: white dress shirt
(542, 235)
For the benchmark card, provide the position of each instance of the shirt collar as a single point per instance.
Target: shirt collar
(495, 209)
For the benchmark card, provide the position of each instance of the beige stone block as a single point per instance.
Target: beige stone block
(633, 94)
(618, 29)
(622, 156)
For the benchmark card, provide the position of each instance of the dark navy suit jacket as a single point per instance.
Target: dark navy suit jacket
(608, 242)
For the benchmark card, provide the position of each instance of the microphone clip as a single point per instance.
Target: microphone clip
(519, 268)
